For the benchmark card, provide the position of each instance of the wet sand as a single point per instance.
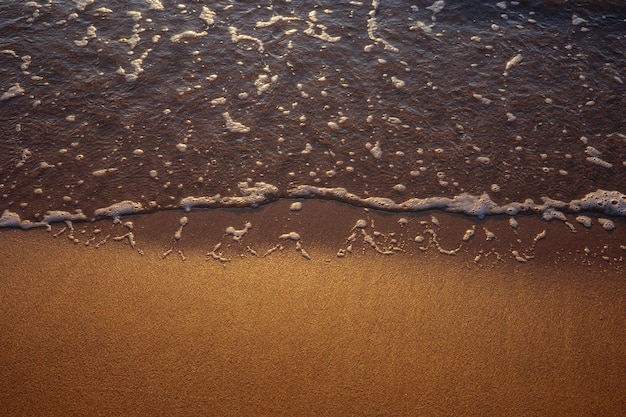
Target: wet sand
(109, 331)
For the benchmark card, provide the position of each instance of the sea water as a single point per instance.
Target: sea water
(477, 107)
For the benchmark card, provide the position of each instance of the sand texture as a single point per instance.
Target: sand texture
(109, 331)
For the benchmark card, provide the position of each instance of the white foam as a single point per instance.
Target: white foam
(481, 98)
(236, 38)
(11, 219)
(399, 187)
(119, 209)
(104, 172)
(372, 28)
(135, 15)
(606, 224)
(584, 220)
(218, 101)
(155, 5)
(551, 213)
(360, 224)
(208, 15)
(541, 235)
(10, 52)
(323, 35)
(591, 151)
(234, 126)
(252, 196)
(398, 83)
(82, 4)
(513, 62)
(436, 7)
(518, 257)
(277, 18)
(290, 236)
(137, 69)
(238, 234)
(600, 162)
(428, 29)
(179, 233)
(264, 82)
(91, 34)
(187, 35)
(376, 151)
(469, 233)
(14, 91)
(576, 20)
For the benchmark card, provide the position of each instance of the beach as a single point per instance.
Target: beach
(114, 330)
(294, 208)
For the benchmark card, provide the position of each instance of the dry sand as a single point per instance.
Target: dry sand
(109, 331)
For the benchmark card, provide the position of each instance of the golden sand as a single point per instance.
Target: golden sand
(109, 331)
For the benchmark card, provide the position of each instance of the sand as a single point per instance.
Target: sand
(110, 331)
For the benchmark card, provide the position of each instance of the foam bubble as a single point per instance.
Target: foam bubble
(234, 126)
(186, 35)
(481, 98)
(208, 15)
(11, 219)
(290, 236)
(119, 209)
(238, 234)
(469, 233)
(104, 172)
(155, 5)
(260, 193)
(513, 62)
(399, 187)
(609, 202)
(14, 91)
(436, 7)
(551, 213)
(577, 20)
(398, 83)
(606, 224)
(277, 18)
(236, 38)
(82, 4)
(376, 151)
(599, 161)
(372, 29)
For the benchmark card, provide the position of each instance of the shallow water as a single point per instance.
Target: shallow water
(153, 102)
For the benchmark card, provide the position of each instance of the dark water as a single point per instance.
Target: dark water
(107, 100)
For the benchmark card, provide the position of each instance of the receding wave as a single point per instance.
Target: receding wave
(469, 107)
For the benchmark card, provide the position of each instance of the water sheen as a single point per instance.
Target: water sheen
(104, 101)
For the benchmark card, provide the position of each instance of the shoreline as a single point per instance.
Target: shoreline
(336, 231)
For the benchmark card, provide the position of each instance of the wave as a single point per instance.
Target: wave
(611, 203)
